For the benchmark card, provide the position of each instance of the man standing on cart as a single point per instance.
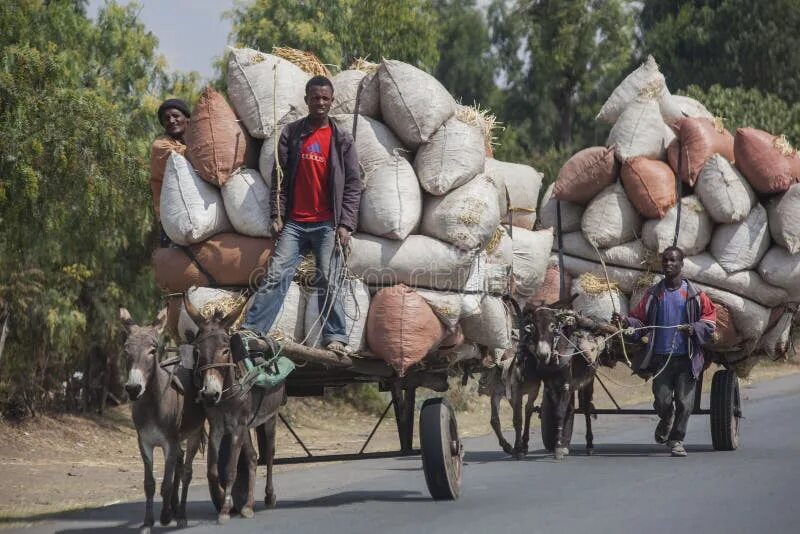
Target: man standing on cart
(314, 208)
(682, 319)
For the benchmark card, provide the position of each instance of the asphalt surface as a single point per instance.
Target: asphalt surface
(630, 485)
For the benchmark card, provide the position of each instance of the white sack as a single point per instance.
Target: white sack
(450, 308)
(723, 191)
(631, 254)
(610, 218)
(531, 258)
(784, 219)
(676, 107)
(345, 91)
(376, 145)
(199, 297)
(452, 157)
(782, 269)
(416, 261)
(413, 103)
(266, 157)
(191, 208)
(247, 202)
(492, 326)
(741, 245)
(599, 306)
(695, 228)
(291, 317)
(522, 183)
(251, 88)
(645, 79)
(571, 213)
(355, 301)
(639, 131)
(391, 204)
(777, 340)
(466, 217)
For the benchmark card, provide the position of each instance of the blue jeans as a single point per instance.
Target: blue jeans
(295, 241)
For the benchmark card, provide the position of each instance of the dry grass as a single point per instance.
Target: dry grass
(307, 61)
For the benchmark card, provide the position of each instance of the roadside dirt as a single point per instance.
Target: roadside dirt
(56, 463)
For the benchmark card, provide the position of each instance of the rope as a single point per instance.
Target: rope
(611, 297)
(278, 168)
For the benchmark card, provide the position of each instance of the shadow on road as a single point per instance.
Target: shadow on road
(603, 450)
(355, 497)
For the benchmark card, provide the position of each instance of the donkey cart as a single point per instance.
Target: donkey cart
(441, 448)
(724, 410)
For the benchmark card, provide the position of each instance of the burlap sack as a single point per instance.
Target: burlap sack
(571, 213)
(639, 131)
(768, 162)
(741, 245)
(550, 291)
(610, 219)
(699, 140)
(646, 79)
(676, 107)
(231, 259)
(265, 90)
(650, 186)
(492, 326)
(345, 91)
(160, 151)
(782, 269)
(401, 327)
(631, 254)
(531, 257)
(413, 103)
(466, 217)
(216, 142)
(391, 204)
(595, 300)
(585, 174)
(694, 233)
(784, 219)
(723, 191)
(376, 145)
(203, 299)
(191, 209)
(705, 269)
(354, 295)
(725, 335)
(454, 155)
(673, 154)
(247, 202)
(522, 183)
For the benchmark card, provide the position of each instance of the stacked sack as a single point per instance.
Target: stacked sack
(738, 220)
(435, 238)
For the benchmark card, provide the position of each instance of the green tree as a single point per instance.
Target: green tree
(733, 43)
(342, 30)
(77, 113)
(560, 59)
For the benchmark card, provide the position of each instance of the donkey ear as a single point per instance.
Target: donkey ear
(161, 320)
(234, 314)
(126, 320)
(193, 312)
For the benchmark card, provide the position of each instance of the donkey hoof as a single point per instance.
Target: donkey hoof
(270, 500)
(507, 448)
(223, 518)
(561, 453)
(183, 523)
(166, 518)
(144, 529)
(589, 452)
(247, 512)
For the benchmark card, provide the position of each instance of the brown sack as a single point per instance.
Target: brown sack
(232, 259)
(767, 161)
(174, 303)
(160, 151)
(453, 339)
(673, 152)
(650, 186)
(550, 291)
(216, 142)
(725, 335)
(585, 174)
(401, 328)
(699, 140)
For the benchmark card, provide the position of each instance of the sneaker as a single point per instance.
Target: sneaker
(662, 430)
(676, 448)
(339, 348)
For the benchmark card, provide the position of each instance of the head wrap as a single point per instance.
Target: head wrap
(173, 103)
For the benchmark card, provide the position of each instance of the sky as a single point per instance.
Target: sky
(191, 33)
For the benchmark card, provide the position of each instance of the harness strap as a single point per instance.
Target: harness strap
(211, 280)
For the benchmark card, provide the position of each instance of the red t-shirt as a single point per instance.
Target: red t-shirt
(312, 198)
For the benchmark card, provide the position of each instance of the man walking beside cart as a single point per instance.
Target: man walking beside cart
(681, 321)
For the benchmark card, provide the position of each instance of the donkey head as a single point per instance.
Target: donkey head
(213, 361)
(141, 351)
(547, 327)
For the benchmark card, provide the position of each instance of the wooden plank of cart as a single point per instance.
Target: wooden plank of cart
(441, 448)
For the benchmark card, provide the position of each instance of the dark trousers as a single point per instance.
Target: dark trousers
(673, 391)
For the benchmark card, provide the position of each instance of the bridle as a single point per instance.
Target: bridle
(230, 377)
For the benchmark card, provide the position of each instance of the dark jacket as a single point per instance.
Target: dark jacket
(343, 173)
(700, 311)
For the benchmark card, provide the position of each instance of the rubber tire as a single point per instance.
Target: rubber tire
(437, 431)
(548, 425)
(725, 410)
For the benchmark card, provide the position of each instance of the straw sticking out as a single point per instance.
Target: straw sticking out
(224, 306)
(595, 285)
(307, 61)
(483, 119)
(783, 146)
(364, 66)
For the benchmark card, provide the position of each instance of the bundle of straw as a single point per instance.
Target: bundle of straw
(307, 61)
(364, 66)
(595, 285)
(483, 119)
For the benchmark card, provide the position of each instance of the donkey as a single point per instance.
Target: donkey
(508, 380)
(560, 347)
(232, 412)
(163, 418)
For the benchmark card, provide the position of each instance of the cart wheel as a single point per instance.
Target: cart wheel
(442, 450)
(548, 425)
(725, 410)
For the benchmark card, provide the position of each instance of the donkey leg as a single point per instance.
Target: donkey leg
(192, 446)
(494, 421)
(146, 451)
(176, 480)
(562, 396)
(516, 406)
(585, 400)
(170, 461)
(232, 471)
(252, 462)
(212, 466)
(532, 390)
(269, 492)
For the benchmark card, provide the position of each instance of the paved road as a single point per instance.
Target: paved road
(629, 486)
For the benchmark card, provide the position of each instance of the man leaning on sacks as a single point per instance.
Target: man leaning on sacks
(314, 209)
(683, 320)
